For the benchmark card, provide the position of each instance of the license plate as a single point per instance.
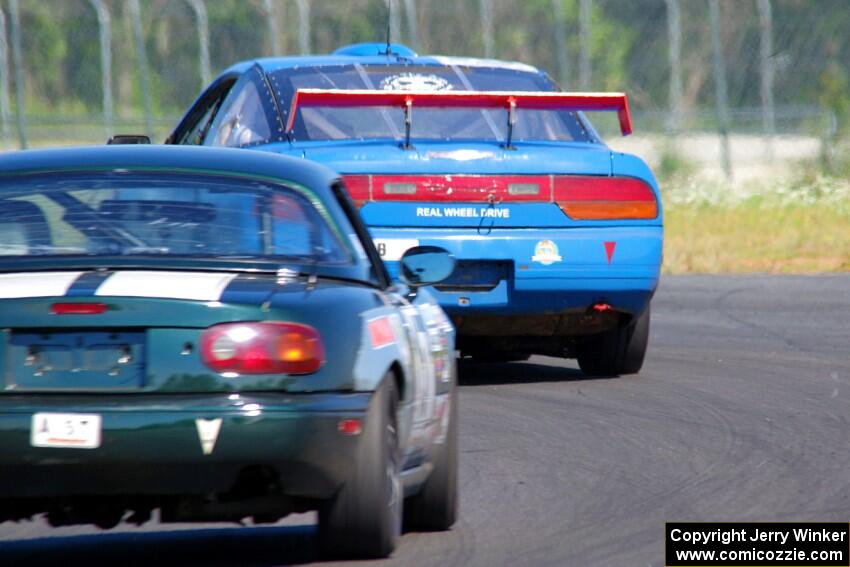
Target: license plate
(392, 249)
(71, 430)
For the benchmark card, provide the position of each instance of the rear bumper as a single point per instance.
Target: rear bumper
(619, 266)
(151, 444)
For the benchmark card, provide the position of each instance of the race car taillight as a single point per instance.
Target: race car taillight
(460, 188)
(358, 188)
(580, 197)
(604, 198)
(262, 348)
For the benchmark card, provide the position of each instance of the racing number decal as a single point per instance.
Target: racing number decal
(424, 380)
(392, 249)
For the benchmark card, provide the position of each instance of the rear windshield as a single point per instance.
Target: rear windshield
(165, 216)
(427, 124)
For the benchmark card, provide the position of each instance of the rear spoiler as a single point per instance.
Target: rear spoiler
(509, 100)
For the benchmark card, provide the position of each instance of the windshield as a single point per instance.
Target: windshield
(427, 124)
(166, 215)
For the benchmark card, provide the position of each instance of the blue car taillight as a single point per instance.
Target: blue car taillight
(580, 197)
(584, 197)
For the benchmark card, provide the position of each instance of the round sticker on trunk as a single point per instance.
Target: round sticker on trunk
(546, 252)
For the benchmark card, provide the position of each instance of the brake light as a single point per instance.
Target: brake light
(78, 308)
(460, 188)
(580, 197)
(262, 348)
(604, 198)
(358, 188)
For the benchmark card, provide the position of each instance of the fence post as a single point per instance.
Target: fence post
(766, 49)
(105, 28)
(274, 31)
(486, 14)
(720, 87)
(142, 57)
(303, 26)
(202, 24)
(15, 14)
(394, 20)
(674, 32)
(4, 79)
(561, 44)
(584, 70)
(412, 27)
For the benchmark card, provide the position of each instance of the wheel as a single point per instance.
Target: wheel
(363, 519)
(618, 351)
(435, 507)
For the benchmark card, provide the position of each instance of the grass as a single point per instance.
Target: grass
(797, 224)
(757, 237)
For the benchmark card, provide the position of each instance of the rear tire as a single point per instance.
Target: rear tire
(363, 519)
(435, 507)
(618, 351)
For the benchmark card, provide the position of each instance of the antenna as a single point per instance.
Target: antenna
(389, 19)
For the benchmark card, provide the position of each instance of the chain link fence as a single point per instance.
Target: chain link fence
(734, 87)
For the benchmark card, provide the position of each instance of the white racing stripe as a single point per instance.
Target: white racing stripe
(198, 286)
(36, 284)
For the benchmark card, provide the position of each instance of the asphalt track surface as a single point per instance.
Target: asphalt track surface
(742, 412)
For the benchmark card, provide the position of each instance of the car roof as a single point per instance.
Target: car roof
(374, 54)
(217, 161)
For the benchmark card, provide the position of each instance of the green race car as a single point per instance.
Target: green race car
(211, 333)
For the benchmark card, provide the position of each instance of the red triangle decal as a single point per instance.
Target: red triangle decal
(609, 250)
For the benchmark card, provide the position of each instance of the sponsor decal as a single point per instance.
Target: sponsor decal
(66, 430)
(609, 250)
(208, 433)
(461, 155)
(443, 416)
(546, 253)
(415, 82)
(381, 332)
(487, 211)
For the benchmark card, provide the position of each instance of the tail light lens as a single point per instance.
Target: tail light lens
(358, 188)
(78, 308)
(580, 197)
(604, 198)
(262, 348)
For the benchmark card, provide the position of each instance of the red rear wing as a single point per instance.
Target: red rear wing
(507, 100)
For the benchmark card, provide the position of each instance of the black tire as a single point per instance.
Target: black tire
(363, 519)
(434, 508)
(618, 351)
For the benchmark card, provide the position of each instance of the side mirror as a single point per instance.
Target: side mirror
(426, 265)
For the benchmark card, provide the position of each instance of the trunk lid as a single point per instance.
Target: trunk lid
(468, 183)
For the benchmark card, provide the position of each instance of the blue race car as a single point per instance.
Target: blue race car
(558, 238)
(211, 333)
